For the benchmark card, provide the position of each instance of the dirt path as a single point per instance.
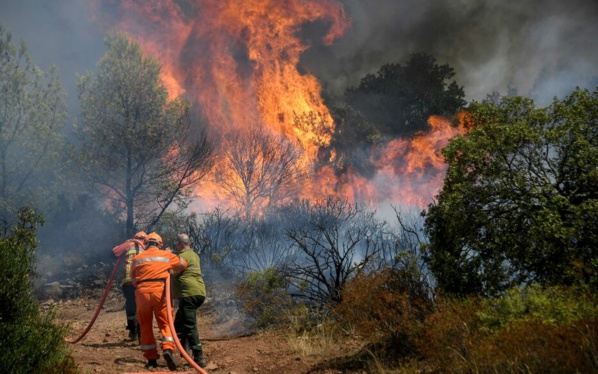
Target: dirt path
(228, 346)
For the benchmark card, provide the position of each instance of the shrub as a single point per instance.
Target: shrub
(387, 309)
(31, 342)
(539, 347)
(263, 296)
(525, 330)
(550, 306)
(449, 335)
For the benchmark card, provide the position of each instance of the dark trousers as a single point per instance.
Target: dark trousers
(185, 321)
(130, 306)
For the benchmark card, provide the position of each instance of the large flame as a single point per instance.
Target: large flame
(238, 60)
(407, 171)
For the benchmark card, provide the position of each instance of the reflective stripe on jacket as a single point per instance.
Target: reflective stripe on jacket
(154, 264)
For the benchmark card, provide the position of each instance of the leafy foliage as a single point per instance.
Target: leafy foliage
(519, 203)
(351, 143)
(263, 296)
(32, 146)
(552, 306)
(31, 341)
(138, 146)
(401, 98)
(511, 334)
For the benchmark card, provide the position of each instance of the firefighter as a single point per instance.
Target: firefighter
(150, 270)
(189, 288)
(130, 248)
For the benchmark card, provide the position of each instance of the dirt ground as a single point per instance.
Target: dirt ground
(231, 345)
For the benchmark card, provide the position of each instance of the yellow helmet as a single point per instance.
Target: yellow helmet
(140, 235)
(155, 239)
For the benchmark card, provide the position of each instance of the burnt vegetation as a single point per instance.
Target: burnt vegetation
(498, 274)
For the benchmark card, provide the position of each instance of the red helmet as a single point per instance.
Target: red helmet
(140, 235)
(155, 239)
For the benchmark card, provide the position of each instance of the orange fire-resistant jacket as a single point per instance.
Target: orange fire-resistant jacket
(150, 270)
(130, 248)
(155, 263)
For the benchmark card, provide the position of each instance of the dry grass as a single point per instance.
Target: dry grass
(317, 342)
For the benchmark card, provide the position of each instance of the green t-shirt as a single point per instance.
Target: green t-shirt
(189, 282)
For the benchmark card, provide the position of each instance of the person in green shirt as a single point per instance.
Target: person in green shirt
(189, 289)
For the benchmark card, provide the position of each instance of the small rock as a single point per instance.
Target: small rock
(212, 366)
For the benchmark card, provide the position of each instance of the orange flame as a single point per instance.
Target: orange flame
(238, 60)
(407, 171)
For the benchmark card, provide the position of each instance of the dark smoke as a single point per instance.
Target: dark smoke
(542, 48)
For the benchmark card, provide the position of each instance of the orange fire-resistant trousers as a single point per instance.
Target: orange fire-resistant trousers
(151, 301)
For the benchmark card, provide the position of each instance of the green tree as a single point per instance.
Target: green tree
(32, 116)
(137, 146)
(520, 198)
(401, 98)
(352, 141)
(31, 341)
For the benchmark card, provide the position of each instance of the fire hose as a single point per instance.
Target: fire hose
(174, 334)
(100, 305)
(169, 313)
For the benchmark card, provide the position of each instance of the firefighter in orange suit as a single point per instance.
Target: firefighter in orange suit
(150, 270)
(129, 249)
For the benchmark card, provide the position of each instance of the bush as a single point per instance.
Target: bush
(526, 330)
(551, 306)
(263, 296)
(387, 309)
(539, 347)
(449, 335)
(31, 342)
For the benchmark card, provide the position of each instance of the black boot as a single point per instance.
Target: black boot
(185, 344)
(199, 359)
(169, 360)
(152, 363)
(133, 328)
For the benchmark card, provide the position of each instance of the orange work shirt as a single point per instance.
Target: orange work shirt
(155, 264)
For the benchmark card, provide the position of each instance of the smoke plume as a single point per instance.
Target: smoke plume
(541, 48)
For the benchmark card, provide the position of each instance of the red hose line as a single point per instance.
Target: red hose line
(173, 331)
(95, 316)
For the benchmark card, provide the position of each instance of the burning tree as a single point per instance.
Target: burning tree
(136, 144)
(401, 98)
(259, 170)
